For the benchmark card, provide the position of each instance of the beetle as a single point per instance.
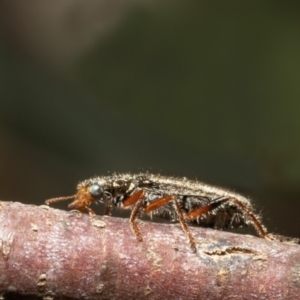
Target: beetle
(177, 199)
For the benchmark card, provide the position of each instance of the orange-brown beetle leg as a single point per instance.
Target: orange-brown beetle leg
(164, 200)
(261, 231)
(137, 198)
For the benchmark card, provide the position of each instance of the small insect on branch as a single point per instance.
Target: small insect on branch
(176, 199)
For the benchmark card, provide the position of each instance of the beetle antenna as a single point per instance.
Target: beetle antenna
(53, 200)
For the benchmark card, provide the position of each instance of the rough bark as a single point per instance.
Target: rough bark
(55, 254)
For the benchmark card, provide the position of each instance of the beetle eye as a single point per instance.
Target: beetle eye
(95, 190)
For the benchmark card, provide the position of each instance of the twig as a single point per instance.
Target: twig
(56, 254)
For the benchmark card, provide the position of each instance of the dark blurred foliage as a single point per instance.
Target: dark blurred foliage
(207, 90)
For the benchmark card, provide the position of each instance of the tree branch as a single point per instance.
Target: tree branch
(56, 254)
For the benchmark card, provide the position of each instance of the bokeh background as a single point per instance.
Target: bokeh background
(209, 90)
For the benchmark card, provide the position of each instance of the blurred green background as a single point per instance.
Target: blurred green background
(207, 90)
